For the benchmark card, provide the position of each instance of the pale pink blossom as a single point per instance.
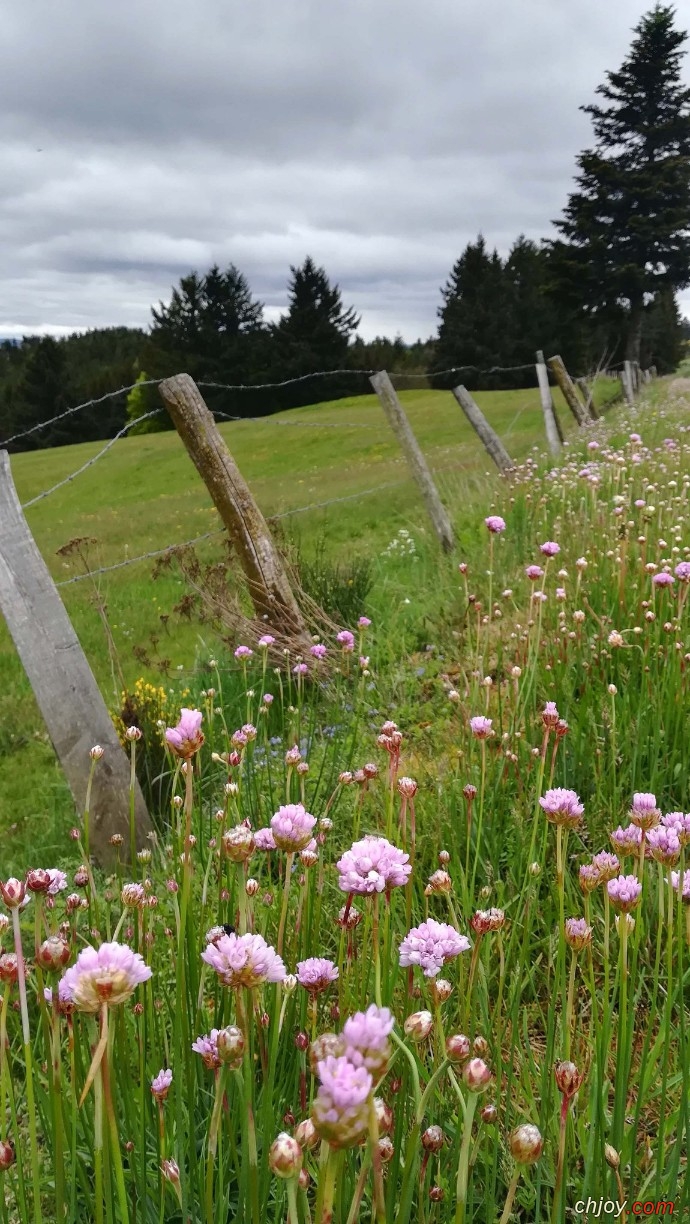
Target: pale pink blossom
(372, 865)
(365, 1035)
(346, 640)
(624, 892)
(626, 841)
(244, 960)
(109, 974)
(549, 548)
(340, 1111)
(316, 973)
(495, 524)
(292, 827)
(319, 651)
(430, 945)
(264, 839)
(160, 1084)
(481, 727)
(187, 737)
(534, 573)
(243, 652)
(562, 807)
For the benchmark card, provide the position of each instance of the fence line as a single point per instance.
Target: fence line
(208, 535)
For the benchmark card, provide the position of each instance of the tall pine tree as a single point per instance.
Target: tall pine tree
(475, 318)
(313, 335)
(626, 227)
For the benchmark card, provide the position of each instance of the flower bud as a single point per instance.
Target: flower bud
(96, 752)
(251, 887)
(285, 1156)
(7, 1154)
(535, 869)
(489, 1115)
(407, 787)
(38, 880)
(13, 892)
(303, 1180)
(230, 1044)
(384, 1115)
(386, 1149)
(238, 844)
(289, 983)
(133, 734)
(418, 1025)
(443, 858)
(306, 1134)
(53, 953)
(436, 1194)
(480, 1047)
(526, 1144)
(458, 1048)
(433, 1139)
(322, 1046)
(301, 1042)
(442, 989)
(476, 1075)
(613, 1160)
(568, 1078)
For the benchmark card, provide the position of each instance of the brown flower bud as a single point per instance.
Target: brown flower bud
(53, 953)
(306, 1134)
(433, 1139)
(386, 1149)
(436, 1194)
(7, 1154)
(285, 1156)
(38, 880)
(418, 1025)
(476, 1075)
(489, 1115)
(526, 1144)
(458, 1048)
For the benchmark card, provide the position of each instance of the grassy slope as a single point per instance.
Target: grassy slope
(145, 495)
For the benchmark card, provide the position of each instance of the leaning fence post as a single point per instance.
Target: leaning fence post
(401, 427)
(570, 395)
(551, 422)
(492, 443)
(267, 580)
(68, 697)
(628, 381)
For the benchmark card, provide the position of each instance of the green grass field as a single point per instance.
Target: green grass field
(145, 494)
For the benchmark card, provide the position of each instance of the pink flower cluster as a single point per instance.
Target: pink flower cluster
(430, 945)
(481, 727)
(562, 807)
(624, 892)
(316, 973)
(495, 524)
(340, 1111)
(292, 827)
(244, 960)
(187, 737)
(373, 865)
(109, 974)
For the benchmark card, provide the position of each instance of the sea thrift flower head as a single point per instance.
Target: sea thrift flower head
(264, 839)
(624, 892)
(495, 524)
(606, 864)
(438, 883)
(306, 1134)
(53, 953)
(238, 843)
(430, 945)
(293, 756)
(568, 1078)
(58, 881)
(644, 812)
(7, 1154)
(244, 960)
(626, 841)
(265, 641)
(526, 1144)
(187, 737)
(682, 571)
(419, 1025)
(207, 1048)
(549, 548)
(109, 974)
(562, 807)
(458, 1048)
(13, 892)
(407, 787)
(318, 651)
(316, 974)
(366, 1039)
(534, 572)
(589, 878)
(292, 827)
(133, 734)
(346, 640)
(160, 1085)
(285, 1156)
(442, 989)
(38, 880)
(300, 669)
(243, 652)
(481, 727)
(96, 752)
(348, 918)
(9, 969)
(433, 1139)
(340, 1111)
(685, 888)
(372, 865)
(133, 896)
(664, 844)
(616, 639)
(550, 715)
(476, 1075)
(363, 622)
(663, 579)
(230, 1045)
(577, 933)
(470, 792)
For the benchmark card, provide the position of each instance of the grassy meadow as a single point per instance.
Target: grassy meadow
(410, 937)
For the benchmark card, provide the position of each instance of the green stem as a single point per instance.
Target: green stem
(26, 1033)
(290, 858)
(510, 1197)
(464, 1161)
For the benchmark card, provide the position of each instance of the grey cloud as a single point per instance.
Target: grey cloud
(377, 135)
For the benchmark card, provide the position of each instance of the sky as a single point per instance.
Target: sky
(145, 138)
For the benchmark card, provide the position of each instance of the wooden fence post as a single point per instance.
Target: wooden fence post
(551, 422)
(64, 686)
(267, 580)
(570, 395)
(628, 381)
(492, 443)
(418, 465)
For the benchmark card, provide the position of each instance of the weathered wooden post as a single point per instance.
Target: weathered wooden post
(64, 686)
(492, 443)
(551, 422)
(418, 465)
(267, 580)
(570, 395)
(628, 381)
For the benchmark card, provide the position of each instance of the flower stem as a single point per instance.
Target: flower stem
(26, 1034)
(464, 1161)
(510, 1197)
(286, 893)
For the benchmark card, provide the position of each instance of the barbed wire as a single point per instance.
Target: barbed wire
(90, 462)
(208, 535)
(150, 382)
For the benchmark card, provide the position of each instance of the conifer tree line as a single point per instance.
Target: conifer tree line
(604, 289)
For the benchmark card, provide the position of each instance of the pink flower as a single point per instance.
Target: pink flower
(626, 840)
(562, 807)
(264, 839)
(366, 1038)
(316, 973)
(319, 651)
(372, 865)
(265, 641)
(267, 699)
(589, 878)
(160, 1084)
(107, 975)
(244, 960)
(363, 622)
(495, 524)
(292, 827)
(685, 890)
(663, 579)
(664, 844)
(680, 823)
(340, 1111)
(346, 640)
(644, 812)
(243, 652)
(577, 933)
(550, 715)
(682, 571)
(606, 865)
(300, 669)
(534, 572)
(549, 548)
(624, 892)
(481, 727)
(58, 881)
(430, 945)
(187, 737)
(207, 1047)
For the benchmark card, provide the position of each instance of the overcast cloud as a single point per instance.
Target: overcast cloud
(143, 138)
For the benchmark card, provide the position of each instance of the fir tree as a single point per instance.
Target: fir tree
(474, 318)
(626, 228)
